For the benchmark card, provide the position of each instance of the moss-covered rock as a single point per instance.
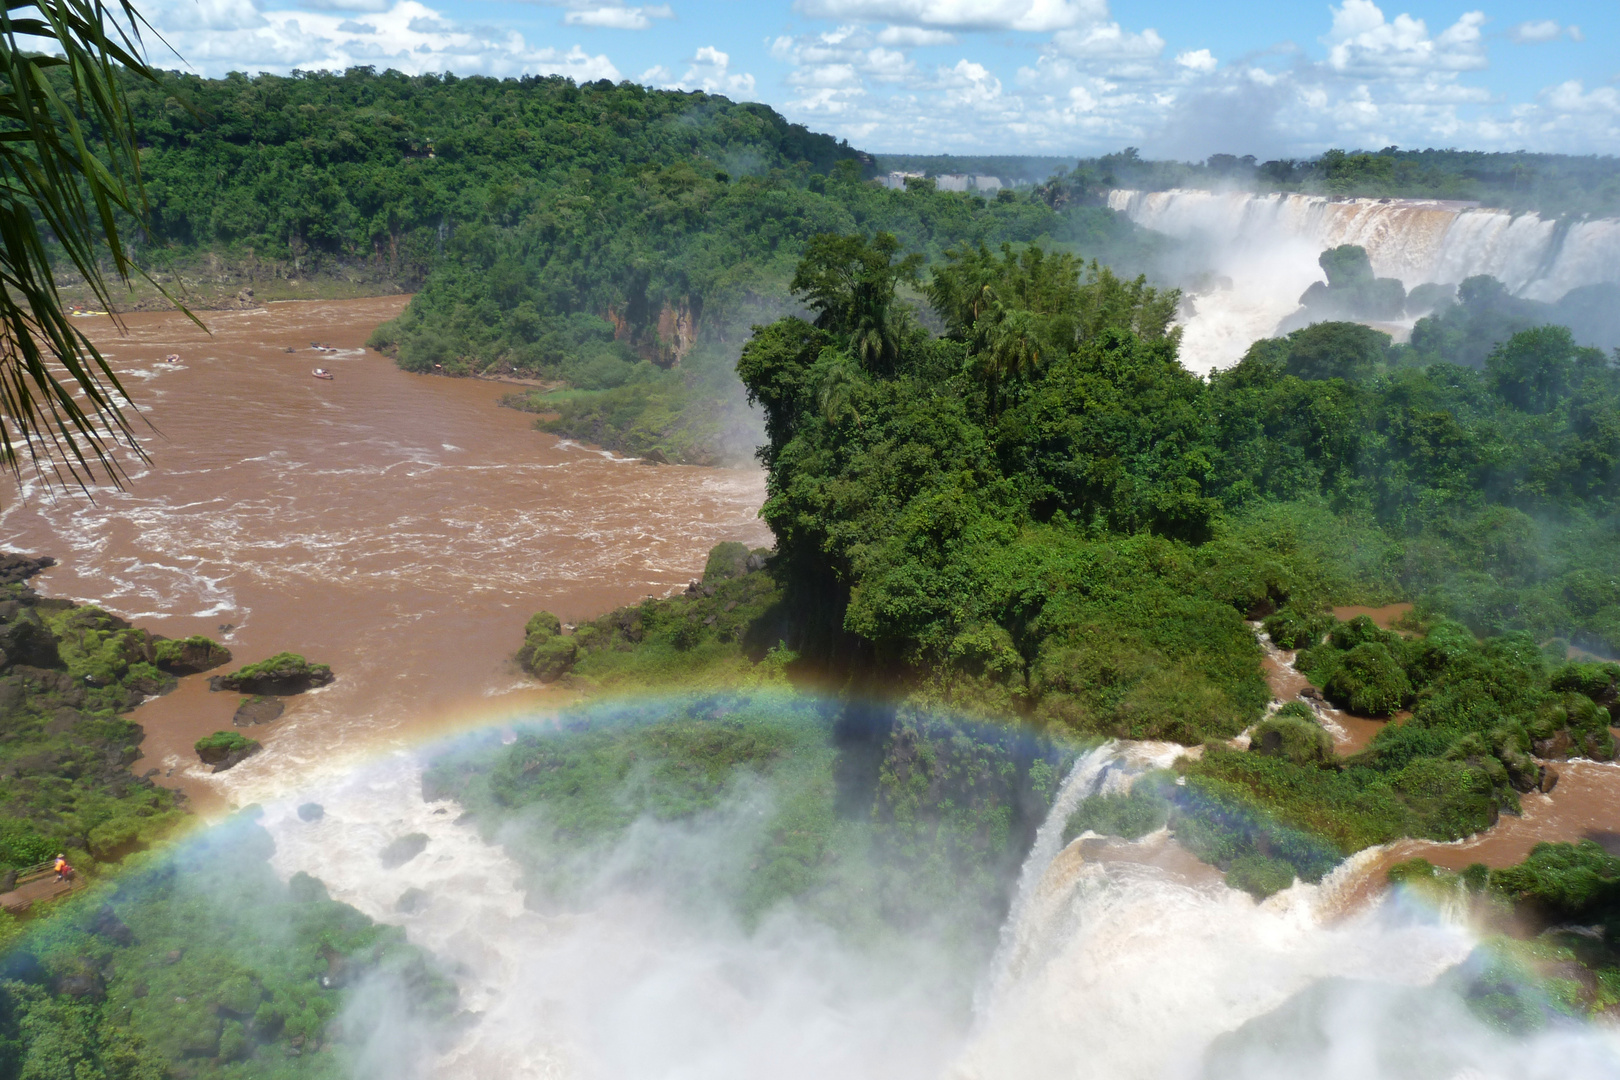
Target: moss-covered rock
(189, 656)
(284, 673)
(225, 749)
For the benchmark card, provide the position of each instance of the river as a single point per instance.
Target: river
(401, 528)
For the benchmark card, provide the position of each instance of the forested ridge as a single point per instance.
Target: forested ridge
(1553, 185)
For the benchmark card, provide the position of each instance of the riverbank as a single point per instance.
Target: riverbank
(397, 527)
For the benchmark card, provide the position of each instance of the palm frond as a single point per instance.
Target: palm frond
(69, 169)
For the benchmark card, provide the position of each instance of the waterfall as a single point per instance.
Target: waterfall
(1083, 780)
(1258, 253)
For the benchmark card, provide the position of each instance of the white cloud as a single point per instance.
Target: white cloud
(709, 70)
(1040, 16)
(1108, 41)
(347, 5)
(1539, 31)
(1200, 60)
(1573, 97)
(614, 17)
(1527, 33)
(1363, 43)
(226, 15)
(407, 36)
(914, 37)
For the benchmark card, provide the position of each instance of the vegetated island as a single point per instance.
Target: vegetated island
(1039, 514)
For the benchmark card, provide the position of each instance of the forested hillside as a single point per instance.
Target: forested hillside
(1555, 185)
(597, 235)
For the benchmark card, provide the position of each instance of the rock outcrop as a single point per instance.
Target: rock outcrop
(188, 656)
(257, 710)
(225, 749)
(282, 674)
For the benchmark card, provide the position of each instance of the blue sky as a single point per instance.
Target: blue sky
(1178, 78)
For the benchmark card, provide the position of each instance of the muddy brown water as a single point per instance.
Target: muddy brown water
(401, 528)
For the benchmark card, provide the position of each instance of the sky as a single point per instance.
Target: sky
(1176, 78)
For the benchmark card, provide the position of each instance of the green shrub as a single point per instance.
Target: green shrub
(1294, 628)
(1564, 881)
(1259, 876)
(1131, 815)
(1287, 734)
(1368, 681)
(547, 653)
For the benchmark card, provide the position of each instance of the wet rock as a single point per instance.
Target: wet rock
(25, 640)
(15, 567)
(189, 656)
(311, 811)
(1549, 779)
(401, 851)
(108, 925)
(259, 709)
(654, 457)
(151, 686)
(8, 881)
(756, 561)
(225, 750)
(1556, 748)
(412, 902)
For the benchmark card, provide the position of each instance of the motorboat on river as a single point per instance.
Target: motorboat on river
(321, 373)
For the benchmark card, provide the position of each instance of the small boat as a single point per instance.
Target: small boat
(321, 373)
(172, 358)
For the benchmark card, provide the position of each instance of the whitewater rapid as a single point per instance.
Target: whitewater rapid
(1253, 255)
(1112, 968)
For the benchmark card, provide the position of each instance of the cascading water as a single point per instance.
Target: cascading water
(1261, 252)
(1083, 780)
(1107, 967)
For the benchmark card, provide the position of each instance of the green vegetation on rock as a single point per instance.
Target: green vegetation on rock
(203, 963)
(283, 673)
(66, 676)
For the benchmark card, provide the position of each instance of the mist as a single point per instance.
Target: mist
(628, 960)
(1245, 260)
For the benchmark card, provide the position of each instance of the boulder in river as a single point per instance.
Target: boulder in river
(311, 811)
(401, 851)
(188, 656)
(258, 709)
(412, 902)
(225, 749)
(284, 673)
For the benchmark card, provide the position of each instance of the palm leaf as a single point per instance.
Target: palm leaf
(69, 169)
